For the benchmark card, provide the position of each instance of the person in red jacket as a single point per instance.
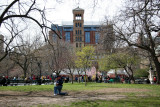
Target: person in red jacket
(154, 79)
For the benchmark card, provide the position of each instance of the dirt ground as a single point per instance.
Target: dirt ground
(12, 98)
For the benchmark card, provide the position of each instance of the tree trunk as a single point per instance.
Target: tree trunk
(78, 77)
(85, 79)
(25, 73)
(131, 76)
(157, 65)
(72, 78)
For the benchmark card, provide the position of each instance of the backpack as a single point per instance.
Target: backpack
(60, 82)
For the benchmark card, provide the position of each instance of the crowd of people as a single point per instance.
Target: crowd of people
(58, 80)
(5, 80)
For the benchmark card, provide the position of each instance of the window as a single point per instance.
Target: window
(67, 35)
(76, 31)
(80, 25)
(79, 44)
(76, 39)
(87, 37)
(80, 32)
(80, 39)
(96, 37)
(76, 45)
(76, 24)
(78, 17)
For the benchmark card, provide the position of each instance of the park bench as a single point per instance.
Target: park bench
(26, 82)
(16, 82)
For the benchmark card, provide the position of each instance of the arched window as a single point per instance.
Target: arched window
(76, 45)
(78, 17)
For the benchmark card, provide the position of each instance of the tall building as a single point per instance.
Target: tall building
(78, 27)
(78, 32)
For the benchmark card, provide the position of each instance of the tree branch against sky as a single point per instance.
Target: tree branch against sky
(22, 13)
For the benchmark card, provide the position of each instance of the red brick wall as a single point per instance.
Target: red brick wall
(71, 36)
(92, 37)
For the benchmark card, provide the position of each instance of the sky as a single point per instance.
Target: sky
(59, 11)
(63, 11)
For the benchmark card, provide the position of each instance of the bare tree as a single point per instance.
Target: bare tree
(55, 56)
(136, 26)
(37, 61)
(69, 60)
(14, 11)
(107, 38)
(23, 54)
(6, 65)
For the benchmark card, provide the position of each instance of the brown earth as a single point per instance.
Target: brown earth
(12, 98)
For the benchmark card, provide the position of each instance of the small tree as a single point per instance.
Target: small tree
(141, 73)
(120, 60)
(85, 58)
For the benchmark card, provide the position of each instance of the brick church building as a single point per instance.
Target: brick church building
(78, 32)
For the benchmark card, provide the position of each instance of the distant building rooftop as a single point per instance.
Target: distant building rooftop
(85, 23)
(78, 8)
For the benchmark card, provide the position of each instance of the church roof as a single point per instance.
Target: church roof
(78, 9)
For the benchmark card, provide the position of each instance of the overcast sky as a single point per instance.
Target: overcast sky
(58, 12)
(63, 11)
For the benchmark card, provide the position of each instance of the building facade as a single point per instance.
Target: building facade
(78, 32)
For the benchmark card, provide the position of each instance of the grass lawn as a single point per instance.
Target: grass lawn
(149, 98)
